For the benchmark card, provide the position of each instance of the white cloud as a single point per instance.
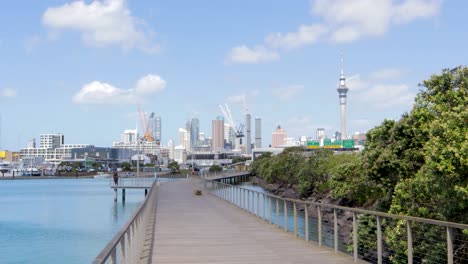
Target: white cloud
(383, 96)
(306, 34)
(101, 23)
(355, 83)
(303, 126)
(341, 21)
(239, 98)
(289, 92)
(386, 74)
(351, 20)
(244, 54)
(8, 93)
(97, 92)
(150, 84)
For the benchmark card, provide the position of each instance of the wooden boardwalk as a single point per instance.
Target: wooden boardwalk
(205, 229)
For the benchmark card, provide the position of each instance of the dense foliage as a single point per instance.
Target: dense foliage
(415, 166)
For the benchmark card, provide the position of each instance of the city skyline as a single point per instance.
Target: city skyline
(61, 74)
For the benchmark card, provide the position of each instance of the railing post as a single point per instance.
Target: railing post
(285, 222)
(355, 238)
(113, 256)
(295, 219)
(335, 230)
(306, 223)
(277, 212)
(449, 246)
(379, 240)
(319, 224)
(258, 205)
(409, 241)
(253, 202)
(271, 209)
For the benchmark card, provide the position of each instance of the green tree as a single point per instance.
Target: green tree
(126, 166)
(173, 166)
(215, 168)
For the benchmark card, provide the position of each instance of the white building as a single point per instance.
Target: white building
(180, 154)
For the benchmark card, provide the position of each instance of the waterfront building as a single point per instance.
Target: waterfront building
(342, 91)
(217, 143)
(51, 141)
(277, 137)
(258, 132)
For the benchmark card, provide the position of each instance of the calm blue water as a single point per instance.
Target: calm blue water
(60, 221)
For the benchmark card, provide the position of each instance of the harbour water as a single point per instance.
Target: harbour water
(60, 221)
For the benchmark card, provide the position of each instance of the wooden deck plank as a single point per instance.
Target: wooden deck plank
(205, 229)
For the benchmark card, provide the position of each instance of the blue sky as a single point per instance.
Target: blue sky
(81, 67)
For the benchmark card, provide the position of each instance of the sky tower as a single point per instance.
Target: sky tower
(342, 90)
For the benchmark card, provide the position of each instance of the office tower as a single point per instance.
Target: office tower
(188, 128)
(170, 146)
(217, 131)
(248, 134)
(129, 135)
(51, 141)
(184, 138)
(321, 133)
(194, 133)
(258, 132)
(342, 90)
(278, 137)
(157, 130)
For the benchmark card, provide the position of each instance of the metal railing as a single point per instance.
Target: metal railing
(372, 236)
(130, 243)
(132, 182)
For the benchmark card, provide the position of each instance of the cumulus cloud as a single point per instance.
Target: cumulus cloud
(386, 74)
(382, 89)
(101, 24)
(344, 21)
(244, 54)
(150, 84)
(239, 98)
(97, 92)
(306, 34)
(298, 126)
(289, 92)
(383, 96)
(8, 93)
(351, 20)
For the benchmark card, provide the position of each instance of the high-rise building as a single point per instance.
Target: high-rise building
(278, 137)
(342, 90)
(321, 134)
(248, 134)
(217, 142)
(157, 130)
(258, 132)
(170, 146)
(129, 135)
(51, 141)
(184, 140)
(194, 133)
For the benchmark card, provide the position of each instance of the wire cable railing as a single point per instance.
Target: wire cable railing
(370, 236)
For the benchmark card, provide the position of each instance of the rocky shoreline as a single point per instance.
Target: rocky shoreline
(345, 218)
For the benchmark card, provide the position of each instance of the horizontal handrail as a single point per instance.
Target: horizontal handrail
(134, 229)
(250, 200)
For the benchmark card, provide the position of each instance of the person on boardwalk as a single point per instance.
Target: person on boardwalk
(116, 178)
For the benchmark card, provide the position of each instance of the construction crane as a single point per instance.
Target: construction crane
(238, 130)
(147, 135)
